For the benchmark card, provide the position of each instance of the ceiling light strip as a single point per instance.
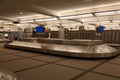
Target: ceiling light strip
(46, 19)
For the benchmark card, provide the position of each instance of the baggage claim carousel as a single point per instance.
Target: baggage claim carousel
(72, 48)
(4, 40)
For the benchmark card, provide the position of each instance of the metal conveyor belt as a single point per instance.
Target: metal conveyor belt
(84, 50)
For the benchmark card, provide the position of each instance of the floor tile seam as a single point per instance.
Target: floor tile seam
(11, 60)
(24, 58)
(113, 63)
(11, 54)
(35, 56)
(39, 66)
(30, 68)
(44, 60)
(80, 75)
(81, 68)
(58, 60)
(99, 61)
(106, 74)
(110, 62)
(19, 55)
(4, 54)
(37, 59)
(4, 50)
(84, 73)
(30, 57)
(8, 53)
(69, 66)
(97, 65)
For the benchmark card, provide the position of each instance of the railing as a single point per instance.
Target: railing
(108, 36)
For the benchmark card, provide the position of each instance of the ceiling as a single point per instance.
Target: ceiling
(15, 10)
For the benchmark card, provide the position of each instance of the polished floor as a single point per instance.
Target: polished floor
(36, 66)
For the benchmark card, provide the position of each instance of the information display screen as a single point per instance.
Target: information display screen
(39, 29)
(100, 29)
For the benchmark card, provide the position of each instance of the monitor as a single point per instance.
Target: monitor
(39, 29)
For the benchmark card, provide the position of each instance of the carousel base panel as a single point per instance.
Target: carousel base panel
(93, 51)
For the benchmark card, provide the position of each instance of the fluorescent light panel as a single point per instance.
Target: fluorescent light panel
(92, 7)
(84, 15)
(105, 13)
(98, 22)
(30, 17)
(118, 11)
(111, 25)
(92, 22)
(7, 23)
(27, 21)
(76, 16)
(68, 17)
(46, 19)
(104, 21)
(115, 20)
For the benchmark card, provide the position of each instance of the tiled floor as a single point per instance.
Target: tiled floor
(36, 66)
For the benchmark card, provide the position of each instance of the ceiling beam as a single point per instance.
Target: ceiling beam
(44, 11)
(76, 20)
(7, 19)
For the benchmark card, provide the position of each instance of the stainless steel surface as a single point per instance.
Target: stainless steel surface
(8, 75)
(85, 51)
(64, 41)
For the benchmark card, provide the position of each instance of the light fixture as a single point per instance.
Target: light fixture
(84, 15)
(34, 16)
(105, 13)
(110, 25)
(27, 21)
(91, 22)
(104, 21)
(118, 11)
(116, 21)
(97, 22)
(76, 16)
(7, 23)
(68, 17)
(46, 19)
(92, 7)
(114, 25)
